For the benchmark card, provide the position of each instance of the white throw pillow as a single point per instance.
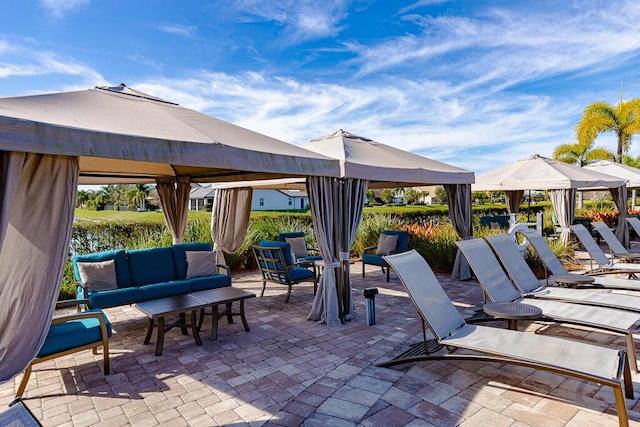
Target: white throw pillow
(98, 276)
(386, 243)
(201, 263)
(298, 246)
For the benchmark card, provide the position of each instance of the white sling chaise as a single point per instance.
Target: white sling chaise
(482, 343)
(617, 248)
(498, 288)
(530, 287)
(605, 265)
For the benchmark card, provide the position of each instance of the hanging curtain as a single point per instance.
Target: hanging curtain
(459, 196)
(564, 204)
(230, 220)
(354, 196)
(174, 198)
(323, 199)
(11, 167)
(619, 196)
(513, 199)
(36, 232)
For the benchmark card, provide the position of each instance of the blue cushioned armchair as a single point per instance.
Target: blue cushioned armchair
(277, 266)
(310, 254)
(370, 255)
(71, 333)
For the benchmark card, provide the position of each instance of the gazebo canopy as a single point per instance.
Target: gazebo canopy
(125, 136)
(541, 173)
(385, 166)
(631, 174)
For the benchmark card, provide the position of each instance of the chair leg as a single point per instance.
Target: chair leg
(388, 271)
(288, 294)
(363, 269)
(23, 383)
(264, 285)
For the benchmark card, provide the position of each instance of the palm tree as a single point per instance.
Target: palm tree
(599, 117)
(581, 154)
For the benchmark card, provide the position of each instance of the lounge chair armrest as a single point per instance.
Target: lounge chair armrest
(314, 250)
(226, 268)
(73, 302)
(369, 249)
(79, 316)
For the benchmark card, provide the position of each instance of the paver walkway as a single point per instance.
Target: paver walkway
(288, 371)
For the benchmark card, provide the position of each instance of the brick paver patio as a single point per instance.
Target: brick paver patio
(288, 371)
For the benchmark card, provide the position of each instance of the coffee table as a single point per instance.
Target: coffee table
(156, 310)
(226, 295)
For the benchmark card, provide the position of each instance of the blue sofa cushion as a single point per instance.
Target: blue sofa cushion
(116, 297)
(286, 249)
(119, 256)
(73, 333)
(298, 273)
(153, 265)
(209, 282)
(374, 259)
(180, 257)
(167, 289)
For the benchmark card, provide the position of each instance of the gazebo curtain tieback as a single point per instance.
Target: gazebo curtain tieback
(345, 256)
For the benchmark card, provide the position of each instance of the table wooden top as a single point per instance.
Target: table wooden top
(222, 295)
(170, 305)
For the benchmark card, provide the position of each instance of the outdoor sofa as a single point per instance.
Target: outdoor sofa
(119, 277)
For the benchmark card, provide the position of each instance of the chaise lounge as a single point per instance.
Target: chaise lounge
(571, 358)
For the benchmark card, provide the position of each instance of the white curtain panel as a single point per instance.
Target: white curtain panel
(619, 196)
(174, 198)
(33, 254)
(564, 205)
(230, 220)
(459, 196)
(323, 193)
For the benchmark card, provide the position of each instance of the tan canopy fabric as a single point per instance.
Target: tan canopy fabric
(618, 170)
(124, 136)
(174, 198)
(230, 220)
(40, 194)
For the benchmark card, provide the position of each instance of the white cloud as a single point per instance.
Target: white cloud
(301, 20)
(179, 30)
(59, 8)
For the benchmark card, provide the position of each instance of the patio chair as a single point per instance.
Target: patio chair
(605, 265)
(530, 287)
(389, 242)
(277, 266)
(617, 248)
(482, 343)
(634, 222)
(18, 415)
(560, 275)
(72, 333)
(300, 247)
(498, 288)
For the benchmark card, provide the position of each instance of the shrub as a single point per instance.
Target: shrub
(436, 243)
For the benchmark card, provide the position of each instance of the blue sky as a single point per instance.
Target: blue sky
(477, 84)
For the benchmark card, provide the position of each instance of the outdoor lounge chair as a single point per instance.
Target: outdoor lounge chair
(605, 265)
(530, 287)
(482, 343)
(561, 276)
(277, 266)
(634, 223)
(617, 248)
(72, 333)
(390, 242)
(498, 288)
(300, 247)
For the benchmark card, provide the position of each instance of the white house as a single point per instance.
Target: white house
(277, 200)
(262, 200)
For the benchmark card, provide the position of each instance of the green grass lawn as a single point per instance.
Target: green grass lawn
(84, 214)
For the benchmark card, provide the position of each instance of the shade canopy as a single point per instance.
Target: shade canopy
(541, 173)
(631, 174)
(385, 166)
(125, 136)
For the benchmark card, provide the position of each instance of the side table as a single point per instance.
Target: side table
(512, 312)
